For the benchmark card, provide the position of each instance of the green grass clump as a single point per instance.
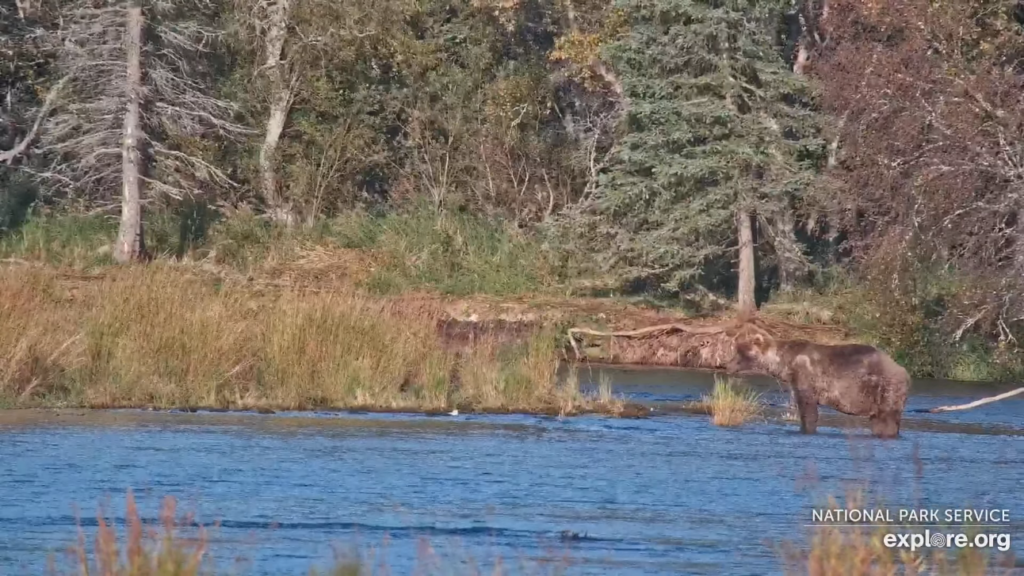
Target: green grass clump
(64, 240)
(418, 248)
(457, 254)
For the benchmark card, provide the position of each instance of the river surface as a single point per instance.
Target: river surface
(670, 494)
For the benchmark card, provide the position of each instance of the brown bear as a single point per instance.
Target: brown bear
(853, 379)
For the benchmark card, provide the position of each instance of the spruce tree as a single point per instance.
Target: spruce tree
(717, 126)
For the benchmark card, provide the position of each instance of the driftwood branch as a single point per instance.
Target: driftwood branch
(977, 403)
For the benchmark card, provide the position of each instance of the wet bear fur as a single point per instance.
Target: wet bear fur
(854, 379)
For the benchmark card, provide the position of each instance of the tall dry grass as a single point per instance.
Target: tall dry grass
(164, 336)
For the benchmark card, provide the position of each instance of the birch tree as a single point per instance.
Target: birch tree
(266, 24)
(138, 92)
(305, 58)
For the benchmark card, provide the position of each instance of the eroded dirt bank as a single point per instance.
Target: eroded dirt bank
(467, 321)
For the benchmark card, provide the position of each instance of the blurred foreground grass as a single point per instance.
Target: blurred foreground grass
(176, 546)
(862, 550)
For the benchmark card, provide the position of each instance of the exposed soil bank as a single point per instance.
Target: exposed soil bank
(669, 348)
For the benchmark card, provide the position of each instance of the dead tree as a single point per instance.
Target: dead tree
(746, 303)
(130, 244)
(137, 87)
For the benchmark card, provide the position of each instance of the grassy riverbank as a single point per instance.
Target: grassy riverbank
(165, 337)
(237, 312)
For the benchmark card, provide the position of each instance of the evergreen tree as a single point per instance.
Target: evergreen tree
(717, 128)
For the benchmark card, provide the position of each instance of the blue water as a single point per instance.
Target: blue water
(665, 495)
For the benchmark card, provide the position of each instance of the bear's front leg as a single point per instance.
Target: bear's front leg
(807, 405)
(886, 425)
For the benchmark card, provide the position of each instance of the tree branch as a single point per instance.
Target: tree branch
(20, 147)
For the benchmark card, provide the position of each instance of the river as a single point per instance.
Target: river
(670, 494)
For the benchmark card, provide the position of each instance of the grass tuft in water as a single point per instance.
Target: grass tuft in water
(572, 398)
(731, 403)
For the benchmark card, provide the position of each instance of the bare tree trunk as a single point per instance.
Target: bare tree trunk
(280, 103)
(802, 58)
(130, 245)
(787, 249)
(745, 300)
(833, 146)
(25, 8)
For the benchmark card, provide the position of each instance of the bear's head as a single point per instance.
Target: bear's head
(755, 353)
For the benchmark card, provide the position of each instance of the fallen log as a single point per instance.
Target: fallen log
(698, 345)
(702, 344)
(974, 404)
(646, 332)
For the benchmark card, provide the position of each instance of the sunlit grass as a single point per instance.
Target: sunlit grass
(391, 253)
(162, 336)
(731, 404)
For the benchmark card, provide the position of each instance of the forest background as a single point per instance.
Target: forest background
(860, 162)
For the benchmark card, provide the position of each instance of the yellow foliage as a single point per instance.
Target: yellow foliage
(503, 9)
(581, 49)
(577, 48)
(512, 100)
